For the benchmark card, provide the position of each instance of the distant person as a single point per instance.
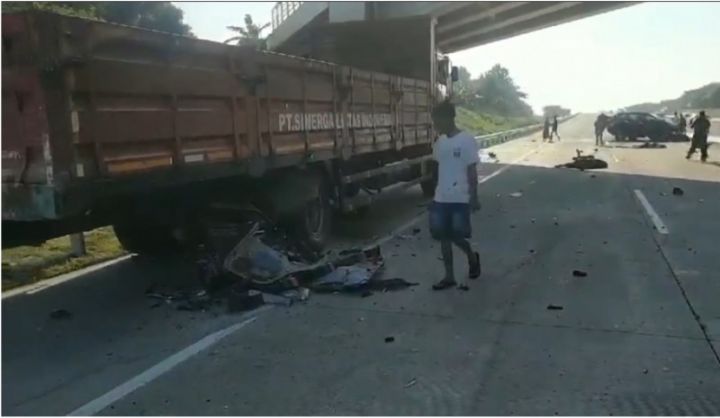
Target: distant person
(682, 123)
(554, 129)
(701, 127)
(600, 125)
(456, 153)
(546, 129)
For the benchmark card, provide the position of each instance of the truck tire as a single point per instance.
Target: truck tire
(146, 240)
(314, 222)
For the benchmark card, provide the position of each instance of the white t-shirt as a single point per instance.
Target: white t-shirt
(454, 155)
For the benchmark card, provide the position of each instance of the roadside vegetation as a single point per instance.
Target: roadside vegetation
(482, 123)
(28, 264)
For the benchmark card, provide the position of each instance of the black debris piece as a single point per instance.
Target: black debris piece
(241, 301)
(584, 162)
(579, 273)
(554, 308)
(678, 191)
(416, 231)
(389, 339)
(463, 287)
(61, 314)
(492, 155)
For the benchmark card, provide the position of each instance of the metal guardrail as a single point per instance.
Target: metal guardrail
(489, 140)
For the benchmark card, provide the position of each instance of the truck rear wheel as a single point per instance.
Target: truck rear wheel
(146, 240)
(313, 224)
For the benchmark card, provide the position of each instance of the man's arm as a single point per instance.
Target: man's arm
(472, 180)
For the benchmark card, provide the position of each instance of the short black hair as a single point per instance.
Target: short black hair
(444, 109)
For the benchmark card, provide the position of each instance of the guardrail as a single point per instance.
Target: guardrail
(489, 140)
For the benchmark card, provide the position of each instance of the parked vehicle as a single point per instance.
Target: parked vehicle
(147, 131)
(634, 125)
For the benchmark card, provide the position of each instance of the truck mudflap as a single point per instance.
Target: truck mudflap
(24, 202)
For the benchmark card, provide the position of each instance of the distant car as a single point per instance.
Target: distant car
(634, 125)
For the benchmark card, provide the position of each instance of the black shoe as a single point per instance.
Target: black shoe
(444, 284)
(475, 268)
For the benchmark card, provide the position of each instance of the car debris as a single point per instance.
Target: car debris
(678, 191)
(410, 383)
(584, 162)
(389, 339)
(554, 308)
(579, 273)
(61, 314)
(516, 194)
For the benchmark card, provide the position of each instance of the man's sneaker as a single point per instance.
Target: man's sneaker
(475, 268)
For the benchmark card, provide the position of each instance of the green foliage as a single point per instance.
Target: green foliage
(249, 35)
(494, 92)
(705, 97)
(555, 110)
(162, 16)
(481, 123)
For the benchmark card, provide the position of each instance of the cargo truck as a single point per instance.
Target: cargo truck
(104, 124)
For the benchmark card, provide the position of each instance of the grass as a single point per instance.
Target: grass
(28, 264)
(481, 123)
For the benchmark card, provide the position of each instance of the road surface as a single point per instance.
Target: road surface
(639, 335)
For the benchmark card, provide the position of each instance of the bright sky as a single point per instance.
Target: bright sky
(647, 52)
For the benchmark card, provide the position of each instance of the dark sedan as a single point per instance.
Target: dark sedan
(634, 125)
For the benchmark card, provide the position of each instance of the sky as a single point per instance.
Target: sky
(643, 53)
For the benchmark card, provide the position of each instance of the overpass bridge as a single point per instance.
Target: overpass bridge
(454, 25)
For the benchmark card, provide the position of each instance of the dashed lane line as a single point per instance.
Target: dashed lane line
(654, 217)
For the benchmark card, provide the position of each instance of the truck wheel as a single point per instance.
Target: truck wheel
(146, 240)
(313, 224)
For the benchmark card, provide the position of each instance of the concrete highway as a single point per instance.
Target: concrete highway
(639, 335)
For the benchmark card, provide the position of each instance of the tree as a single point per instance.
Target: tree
(248, 35)
(494, 92)
(555, 110)
(162, 16)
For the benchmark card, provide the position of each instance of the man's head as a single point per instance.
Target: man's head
(443, 116)
(702, 113)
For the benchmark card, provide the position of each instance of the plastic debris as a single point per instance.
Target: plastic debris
(516, 194)
(411, 383)
(554, 308)
(678, 191)
(389, 339)
(61, 314)
(579, 273)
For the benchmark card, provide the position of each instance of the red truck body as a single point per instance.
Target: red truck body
(94, 112)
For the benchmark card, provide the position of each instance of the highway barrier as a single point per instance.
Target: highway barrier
(488, 140)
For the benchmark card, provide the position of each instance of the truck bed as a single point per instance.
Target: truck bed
(92, 109)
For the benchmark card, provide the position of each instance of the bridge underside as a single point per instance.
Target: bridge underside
(459, 25)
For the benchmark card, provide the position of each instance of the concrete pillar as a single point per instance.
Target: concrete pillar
(77, 243)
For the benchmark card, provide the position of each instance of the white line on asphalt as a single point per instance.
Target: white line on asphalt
(659, 225)
(421, 216)
(46, 284)
(97, 405)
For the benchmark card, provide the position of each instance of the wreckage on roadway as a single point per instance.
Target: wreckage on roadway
(148, 131)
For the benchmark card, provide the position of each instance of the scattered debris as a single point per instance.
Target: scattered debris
(389, 339)
(651, 145)
(61, 314)
(554, 308)
(645, 371)
(516, 194)
(492, 155)
(579, 273)
(411, 383)
(584, 162)
(416, 231)
(678, 191)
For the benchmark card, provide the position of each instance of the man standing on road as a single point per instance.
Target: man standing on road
(682, 123)
(701, 127)
(546, 129)
(600, 124)
(554, 129)
(456, 153)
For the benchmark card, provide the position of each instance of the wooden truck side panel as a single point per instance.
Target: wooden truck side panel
(114, 105)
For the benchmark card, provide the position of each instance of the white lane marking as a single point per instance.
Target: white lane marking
(46, 284)
(659, 225)
(114, 395)
(422, 215)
